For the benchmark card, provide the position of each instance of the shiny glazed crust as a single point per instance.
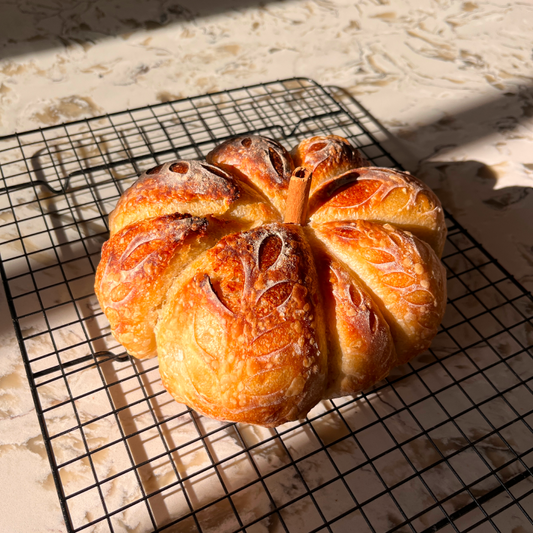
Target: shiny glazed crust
(254, 320)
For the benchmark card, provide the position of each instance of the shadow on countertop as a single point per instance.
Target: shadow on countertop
(32, 27)
(504, 114)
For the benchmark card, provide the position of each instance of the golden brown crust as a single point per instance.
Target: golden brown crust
(327, 157)
(403, 274)
(259, 161)
(360, 346)
(383, 195)
(190, 187)
(241, 337)
(256, 321)
(137, 267)
(250, 210)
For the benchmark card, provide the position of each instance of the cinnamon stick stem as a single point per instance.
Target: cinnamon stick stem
(298, 196)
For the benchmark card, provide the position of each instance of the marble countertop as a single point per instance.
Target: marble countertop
(451, 83)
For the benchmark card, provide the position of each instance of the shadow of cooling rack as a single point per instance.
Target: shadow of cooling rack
(444, 444)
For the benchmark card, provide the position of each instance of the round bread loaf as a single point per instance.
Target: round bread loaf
(256, 320)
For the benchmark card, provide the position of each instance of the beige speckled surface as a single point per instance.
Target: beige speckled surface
(451, 82)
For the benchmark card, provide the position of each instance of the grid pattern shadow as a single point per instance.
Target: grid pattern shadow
(444, 443)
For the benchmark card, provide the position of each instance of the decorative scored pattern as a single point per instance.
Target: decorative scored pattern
(444, 444)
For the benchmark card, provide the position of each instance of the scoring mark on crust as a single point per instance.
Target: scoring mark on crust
(216, 171)
(276, 162)
(155, 170)
(273, 298)
(269, 251)
(204, 283)
(315, 147)
(179, 168)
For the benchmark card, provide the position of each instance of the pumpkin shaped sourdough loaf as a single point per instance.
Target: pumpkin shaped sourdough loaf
(255, 319)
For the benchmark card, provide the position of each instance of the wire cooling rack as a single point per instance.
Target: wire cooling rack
(444, 444)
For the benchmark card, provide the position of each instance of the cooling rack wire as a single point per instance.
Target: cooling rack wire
(444, 444)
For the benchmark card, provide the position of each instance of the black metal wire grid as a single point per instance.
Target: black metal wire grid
(444, 444)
